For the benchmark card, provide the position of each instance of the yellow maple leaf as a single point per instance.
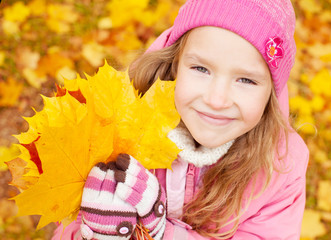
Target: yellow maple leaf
(52, 62)
(65, 73)
(60, 17)
(7, 154)
(33, 77)
(37, 7)
(10, 27)
(2, 57)
(321, 83)
(312, 226)
(323, 195)
(18, 12)
(18, 169)
(128, 39)
(87, 122)
(122, 13)
(10, 91)
(94, 53)
(62, 12)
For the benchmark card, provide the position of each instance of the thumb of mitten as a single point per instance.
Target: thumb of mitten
(142, 190)
(136, 185)
(86, 232)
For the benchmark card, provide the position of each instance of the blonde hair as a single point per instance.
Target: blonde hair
(221, 197)
(157, 64)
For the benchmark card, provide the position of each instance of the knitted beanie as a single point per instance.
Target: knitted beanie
(267, 24)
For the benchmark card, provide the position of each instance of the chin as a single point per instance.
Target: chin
(210, 143)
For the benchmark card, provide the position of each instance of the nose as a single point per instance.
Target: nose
(218, 94)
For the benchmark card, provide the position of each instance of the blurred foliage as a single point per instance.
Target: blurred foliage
(310, 103)
(42, 42)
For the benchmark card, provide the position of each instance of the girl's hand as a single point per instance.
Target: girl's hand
(104, 214)
(141, 189)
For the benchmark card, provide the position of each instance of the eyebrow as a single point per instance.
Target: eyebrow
(196, 57)
(252, 74)
(258, 75)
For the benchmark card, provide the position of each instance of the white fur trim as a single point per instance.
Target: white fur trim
(199, 156)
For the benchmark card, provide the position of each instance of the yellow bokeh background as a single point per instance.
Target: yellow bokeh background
(42, 42)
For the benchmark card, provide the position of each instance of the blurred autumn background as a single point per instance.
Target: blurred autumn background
(42, 42)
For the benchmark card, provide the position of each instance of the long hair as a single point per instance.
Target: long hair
(221, 200)
(162, 64)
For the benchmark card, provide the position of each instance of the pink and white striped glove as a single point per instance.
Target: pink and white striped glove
(141, 189)
(105, 216)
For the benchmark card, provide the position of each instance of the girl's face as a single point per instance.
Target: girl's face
(223, 85)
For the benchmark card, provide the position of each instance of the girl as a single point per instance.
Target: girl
(241, 173)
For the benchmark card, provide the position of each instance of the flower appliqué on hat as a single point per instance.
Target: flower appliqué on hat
(274, 51)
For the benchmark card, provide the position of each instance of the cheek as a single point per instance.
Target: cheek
(254, 116)
(182, 92)
(252, 113)
(253, 105)
(179, 98)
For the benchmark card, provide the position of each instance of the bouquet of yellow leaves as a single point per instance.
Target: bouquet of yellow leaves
(89, 121)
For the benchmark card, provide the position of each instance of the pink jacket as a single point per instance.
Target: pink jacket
(275, 214)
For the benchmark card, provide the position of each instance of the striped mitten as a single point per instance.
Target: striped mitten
(141, 189)
(104, 214)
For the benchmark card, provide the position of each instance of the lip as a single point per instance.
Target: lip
(218, 120)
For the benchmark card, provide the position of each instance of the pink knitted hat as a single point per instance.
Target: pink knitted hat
(266, 24)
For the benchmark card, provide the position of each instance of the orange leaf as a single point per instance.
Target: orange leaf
(18, 170)
(51, 63)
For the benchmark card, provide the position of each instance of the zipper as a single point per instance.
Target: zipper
(189, 186)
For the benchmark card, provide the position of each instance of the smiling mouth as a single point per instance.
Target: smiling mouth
(214, 119)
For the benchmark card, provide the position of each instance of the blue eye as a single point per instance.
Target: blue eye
(246, 80)
(200, 69)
